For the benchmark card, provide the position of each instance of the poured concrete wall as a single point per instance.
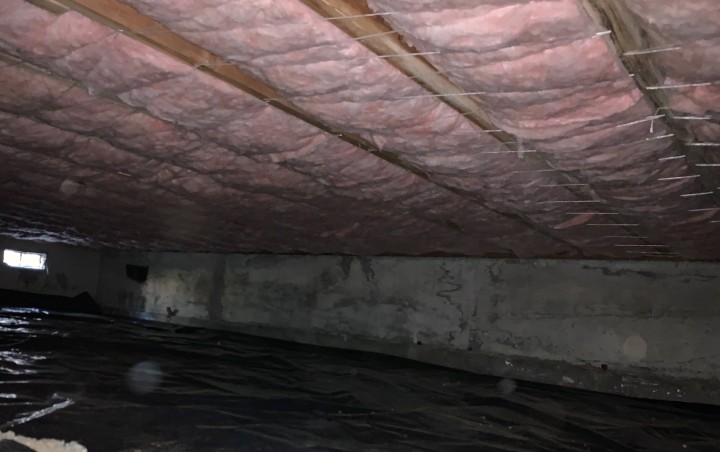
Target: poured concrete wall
(634, 328)
(70, 270)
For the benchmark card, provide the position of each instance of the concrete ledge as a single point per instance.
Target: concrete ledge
(643, 329)
(629, 382)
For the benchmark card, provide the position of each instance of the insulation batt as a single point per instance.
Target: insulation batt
(691, 31)
(552, 81)
(335, 78)
(300, 176)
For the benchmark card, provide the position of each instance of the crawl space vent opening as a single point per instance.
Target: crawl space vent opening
(24, 259)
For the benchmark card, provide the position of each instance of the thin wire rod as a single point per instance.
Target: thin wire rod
(684, 85)
(680, 177)
(613, 224)
(652, 50)
(706, 209)
(357, 16)
(375, 35)
(434, 52)
(473, 93)
(690, 195)
(674, 157)
(642, 245)
(581, 201)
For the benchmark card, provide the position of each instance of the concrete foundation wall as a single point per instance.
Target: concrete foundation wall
(70, 270)
(635, 328)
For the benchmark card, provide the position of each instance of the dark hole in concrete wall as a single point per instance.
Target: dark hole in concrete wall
(136, 272)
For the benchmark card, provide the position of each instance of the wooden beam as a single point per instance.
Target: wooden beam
(629, 35)
(147, 30)
(384, 41)
(49, 5)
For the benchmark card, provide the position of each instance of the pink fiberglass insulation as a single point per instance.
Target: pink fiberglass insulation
(84, 104)
(548, 74)
(382, 208)
(178, 199)
(116, 220)
(686, 37)
(124, 205)
(335, 78)
(107, 191)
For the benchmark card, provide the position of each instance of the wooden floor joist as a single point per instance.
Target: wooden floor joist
(375, 34)
(147, 30)
(49, 5)
(628, 35)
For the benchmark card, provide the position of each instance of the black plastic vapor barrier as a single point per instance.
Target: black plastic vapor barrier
(116, 385)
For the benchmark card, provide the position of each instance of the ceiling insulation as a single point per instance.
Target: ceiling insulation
(556, 128)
